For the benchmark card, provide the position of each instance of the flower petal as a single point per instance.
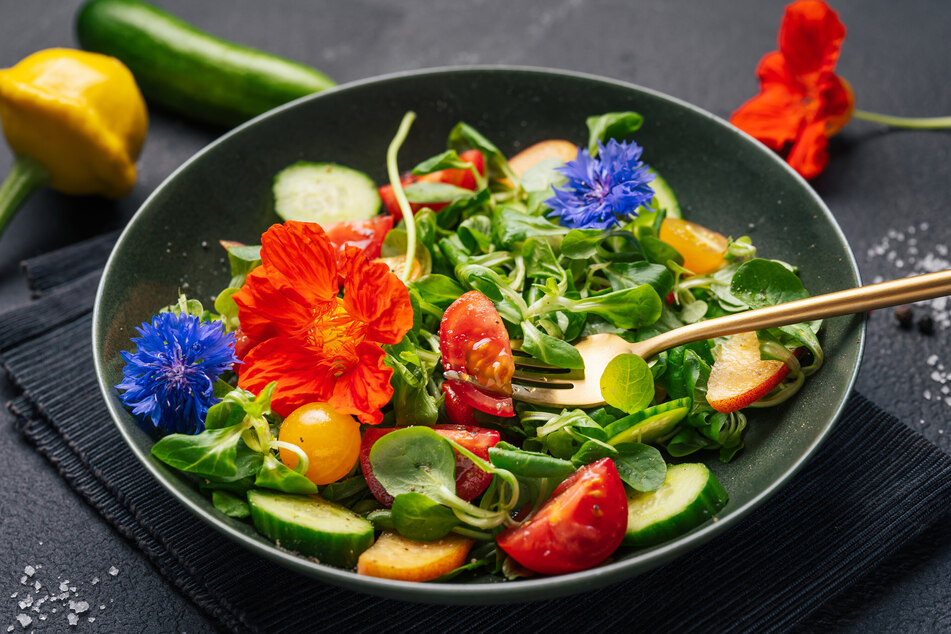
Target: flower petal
(810, 37)
(774, 117)
(810, 154)
(302, 375)
(375, 296)
(300, 261)
(366, 388)
(265, 311)
(836, 102)
(772, 69)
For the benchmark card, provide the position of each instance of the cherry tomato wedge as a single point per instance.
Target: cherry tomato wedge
(471, 481)
(458, 411)
(367, 235)
(472, 396)
(242, 345)
(579, 527)
(475, 346)
(459, 177)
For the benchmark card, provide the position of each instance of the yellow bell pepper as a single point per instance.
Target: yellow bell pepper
(75, 121)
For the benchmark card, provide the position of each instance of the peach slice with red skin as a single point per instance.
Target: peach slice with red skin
(740, 377)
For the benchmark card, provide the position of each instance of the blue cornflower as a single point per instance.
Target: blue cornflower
(602, 191)
(170, 377)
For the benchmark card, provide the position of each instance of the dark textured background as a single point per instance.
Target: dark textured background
(878, 185)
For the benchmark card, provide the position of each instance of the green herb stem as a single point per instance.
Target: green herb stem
(912, 123)
(303, 461)
(473, 534)
(25, 177)
(392, 171)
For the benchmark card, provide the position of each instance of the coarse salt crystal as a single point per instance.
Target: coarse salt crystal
(29, 570)
(932, 359)
(936, 377)
(927, 395)
(95, 580)
(64, 586)
(113, 571)
(37, 586)
(79, 606)
(24, 620)
(72, 619)
(91, 619)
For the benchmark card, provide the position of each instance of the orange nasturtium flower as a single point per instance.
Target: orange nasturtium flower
(801, 102)
(318, 345)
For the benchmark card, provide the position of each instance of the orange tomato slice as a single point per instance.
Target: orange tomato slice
(702, 248)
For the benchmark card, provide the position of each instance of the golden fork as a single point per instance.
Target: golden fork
(542, 384)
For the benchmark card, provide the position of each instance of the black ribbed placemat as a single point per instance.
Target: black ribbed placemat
(872, 487)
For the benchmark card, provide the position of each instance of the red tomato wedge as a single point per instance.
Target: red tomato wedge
(579, 527)
(458, 411)
(475, 346)
(471, 481)
(471, 396)
(459, 177)
(367, 235)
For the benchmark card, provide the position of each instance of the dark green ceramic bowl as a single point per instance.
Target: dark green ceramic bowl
(723, 179)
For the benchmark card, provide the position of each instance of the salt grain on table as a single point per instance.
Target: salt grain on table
(113, 571)
(79, 606)
(24, 620)
(72, 619)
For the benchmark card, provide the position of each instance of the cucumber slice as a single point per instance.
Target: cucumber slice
(665, 197)
(311, 526)
(689, 496)
(324, 193)
(650, 424)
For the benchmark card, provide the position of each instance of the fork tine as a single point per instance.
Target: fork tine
(566, 376)
(522, 359)
(537, 395)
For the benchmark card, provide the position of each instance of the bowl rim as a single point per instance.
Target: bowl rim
(470, 593)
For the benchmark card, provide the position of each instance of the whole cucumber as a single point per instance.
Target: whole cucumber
(189, 71)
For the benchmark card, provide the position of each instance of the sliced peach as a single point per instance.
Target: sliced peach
(534, 154)
(393, 556)
(702, 248)
(739, 377)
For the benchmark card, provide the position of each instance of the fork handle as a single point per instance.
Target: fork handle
(847, 302)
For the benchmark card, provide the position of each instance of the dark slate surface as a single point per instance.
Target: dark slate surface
(879, 186)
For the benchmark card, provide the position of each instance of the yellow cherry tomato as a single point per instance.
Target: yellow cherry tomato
(330, 439)
(702, 248)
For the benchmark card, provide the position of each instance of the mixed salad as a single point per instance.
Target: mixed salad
(350, 390)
